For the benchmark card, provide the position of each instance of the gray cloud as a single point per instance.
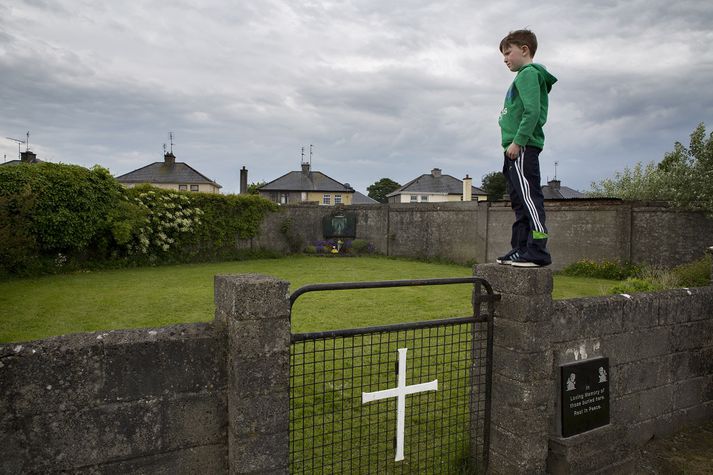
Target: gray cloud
(381, 89)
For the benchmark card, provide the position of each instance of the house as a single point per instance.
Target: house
(25, 157)
(554, 190)
(307, 186)
(171, 175)
(436, 187)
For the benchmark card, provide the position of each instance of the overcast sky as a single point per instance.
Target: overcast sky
(381, 89)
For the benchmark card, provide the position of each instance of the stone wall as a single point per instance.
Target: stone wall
(214, 398)
(137, 401)
(201, 398)
(660, 350)
(480, 231)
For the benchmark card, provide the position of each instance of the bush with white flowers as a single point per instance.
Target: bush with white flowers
(169, 216)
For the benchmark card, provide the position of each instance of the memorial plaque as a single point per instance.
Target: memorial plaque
(339, 225)
(584, 387)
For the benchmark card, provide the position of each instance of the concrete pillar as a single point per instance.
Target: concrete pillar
(523, 379)
(253, 312)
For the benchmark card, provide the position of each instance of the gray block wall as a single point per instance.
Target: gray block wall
(137, 401)
(660, 350)
(600, 230)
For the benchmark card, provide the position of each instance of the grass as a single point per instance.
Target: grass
(157, 296)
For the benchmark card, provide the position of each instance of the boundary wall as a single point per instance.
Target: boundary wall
(467, 232)
(660, 350)
(214, 398)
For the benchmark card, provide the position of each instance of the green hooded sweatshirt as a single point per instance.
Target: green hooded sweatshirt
(525, 109)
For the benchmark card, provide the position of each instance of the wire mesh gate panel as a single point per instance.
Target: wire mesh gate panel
(405, 398)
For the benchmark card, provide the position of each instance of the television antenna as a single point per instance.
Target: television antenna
(303, 155)
(170, 139)
(19, 156)
(556, 163)
(310, 154)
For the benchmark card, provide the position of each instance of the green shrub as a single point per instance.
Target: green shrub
(70, 205)
(634, 285)
(57, 214)
(360, 246)
(169, 217)
(18, 247)
(602, 270)
(694, 274)
(195, 227)
(229, 216)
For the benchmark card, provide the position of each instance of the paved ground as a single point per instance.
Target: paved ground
(689, 452)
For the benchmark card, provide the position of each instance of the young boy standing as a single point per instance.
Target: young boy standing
(521, 121)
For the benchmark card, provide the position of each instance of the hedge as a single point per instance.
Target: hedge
(55, 217)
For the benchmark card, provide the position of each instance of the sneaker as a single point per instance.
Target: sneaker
(506, 260)
(518, 261)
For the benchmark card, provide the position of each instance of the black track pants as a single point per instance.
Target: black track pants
(529, 233)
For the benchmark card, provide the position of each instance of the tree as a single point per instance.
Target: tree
(253, 187)
(494, 185)
(683, 177)
(381, 188)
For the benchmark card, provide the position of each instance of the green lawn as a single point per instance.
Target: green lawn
(157, 296)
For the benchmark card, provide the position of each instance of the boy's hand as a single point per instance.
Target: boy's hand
(513, 151)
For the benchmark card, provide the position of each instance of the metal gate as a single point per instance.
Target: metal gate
(403, 398)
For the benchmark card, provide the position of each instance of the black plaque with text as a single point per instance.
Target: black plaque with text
(584, 386)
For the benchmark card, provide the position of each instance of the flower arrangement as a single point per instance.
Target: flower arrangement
(336, 247)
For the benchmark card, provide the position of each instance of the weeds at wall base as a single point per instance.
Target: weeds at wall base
(644, 278)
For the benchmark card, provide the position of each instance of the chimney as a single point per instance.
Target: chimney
(467, 188)
(169, 159)
(243, 180)
(436, 172)
(554, 185)
(28, 157)
(305, 168)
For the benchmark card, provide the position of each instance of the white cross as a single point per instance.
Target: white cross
(400, 392)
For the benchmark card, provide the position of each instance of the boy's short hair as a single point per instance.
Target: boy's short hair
(520, 38)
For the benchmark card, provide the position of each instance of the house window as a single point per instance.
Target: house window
(283, 198)
(337, 199)
(182, 187)
(194, 187)
(326, 199)
(424, 198)
(414, 199)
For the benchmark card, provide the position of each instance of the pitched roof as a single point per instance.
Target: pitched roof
(305, 181)
(18, 162)
(362, 199)
(554, 191)
(27, 157)
(162, 172)
(435, 183)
